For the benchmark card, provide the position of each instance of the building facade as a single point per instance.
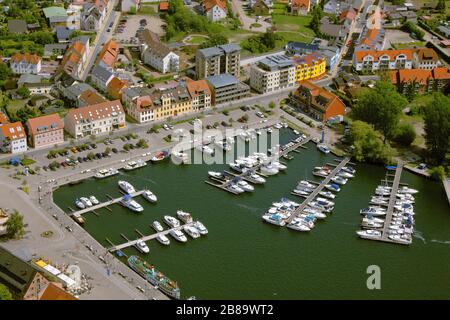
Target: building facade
(45, 131)
(158, 55)
(13, 138)
(309, 66)
(25, 63)
(218, 60)
(227, 88)
(75, 57)
(420, 81)
(200, 93)
(215, 10)
(272, 73)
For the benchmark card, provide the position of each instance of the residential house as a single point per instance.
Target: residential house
(95, 119)
(63, 34)
(317, 102)
(101, 76)
(260, 8)
(346, 17)
(93, 15)
(200, 93)
(115, 87)
(310, 66)
(163, 6)
(158, 55)
(227, 88)
(76, 56)
(58, 49)
(300, 48)
(409, 16)
(425, 58)
(128, 94)
(35, 84)
(445, 31)
(421, 80)
(300, 7)
(218, 60)
(371, 39)
(109, 54)
(89, 97)
(17, 26)
(45, 130)
(130, 5)
(56, 16)
(272, 73)
(82, 94)
(25, 63)
(332, 7)
(333, 31)
(13, 138)
(214, 10)
(374, 60)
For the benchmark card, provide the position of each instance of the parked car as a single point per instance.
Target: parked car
(114, 150)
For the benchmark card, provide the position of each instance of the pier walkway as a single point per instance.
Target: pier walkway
(318, 189)
(146, 238)
(446, 183)
(103, 204)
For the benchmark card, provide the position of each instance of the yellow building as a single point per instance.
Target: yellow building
(309, 66)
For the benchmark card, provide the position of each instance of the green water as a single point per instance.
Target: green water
(244, 258)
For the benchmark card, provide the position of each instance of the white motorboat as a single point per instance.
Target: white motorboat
(301, 192)
(297, 224)
(268, 169)
(179, 157)
(236, 167)
(279, 165)
(163, 239)
(323, 148)
(141, 246)
(104, 173)
(79, 204)
(284, 202)
(157, 226)
(278, 126)
(382, 192)
(345, 174)
(171, 221)
(321, 173)
(149, 196)
(349, 169)
(200, 227)
(306, 184)
(234, 188)
(215, 174)
(132, 205)
(275, 219)
(86, 201)
(94, 200)
(400, 238)
(316, 213)
(205, 149)
(184, 216)
(296, 132)
(126, 187)
(244, 185)
(405, 189)
(406, 196)
(370, 233)
(324, 202)
(192, 232)
(327, 194)
(223, 145)
(378, 201)
(255, 178)
(371, 225)
(374, 220)
(178, 235)
(315, 205)
(132, 165)
(333, 187)
(339, 180)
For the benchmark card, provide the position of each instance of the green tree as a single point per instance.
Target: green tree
(381, 107)
(24, 92)
(5, 71)
(5, 294)
(14, 226)
(272, 105)
(437, 127)
(215, 40)
(437, 173)
(405, 134)
(441, 6)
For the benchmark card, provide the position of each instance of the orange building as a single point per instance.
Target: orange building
(115, 88)
(108, 55)
(421, 80)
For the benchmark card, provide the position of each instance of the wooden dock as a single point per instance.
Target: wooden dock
(131, 243)
(446, 183)
(318, 189)
(105, 204)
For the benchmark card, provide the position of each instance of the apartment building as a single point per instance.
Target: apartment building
(200, 93)
(25, 63)
(218, 60)
(426, 58)
(95, 119)
(272, 73)
(13, 138)
(76, 56)
(227, 88)
(309, 66)
(45, 131)
(421, 80)
(158, 55)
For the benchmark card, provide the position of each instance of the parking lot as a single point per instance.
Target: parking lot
(126, 31)
(396, 36)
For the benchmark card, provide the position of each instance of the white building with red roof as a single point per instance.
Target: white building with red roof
(25, 63)
(13, 138)
(215, 10)
(45, 131)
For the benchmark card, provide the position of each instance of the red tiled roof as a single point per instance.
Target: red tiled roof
(53, 292)
(441, 73)
(163, 6)
(195, 87)
(44, 124)
(116, 84)
(300, 3)
(349, 14)
(420, 76)
(96, 111)
(376, 54)
(317, 91)
(28, 58)
(209, 4)
(91, 97)
(109, 53)
(13, 131)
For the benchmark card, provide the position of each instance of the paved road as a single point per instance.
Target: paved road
(429, 37)
(246, 21)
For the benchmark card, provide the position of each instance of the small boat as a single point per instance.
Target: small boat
(236, 167)
(200, 227)
(316, 205)
(279, 165)
(94, 200)
(131, 204)
(126, 187)
(374, 220)
(285, 202)
(178, 235)
(373, 211)
(339, 180)
(163, 239)
(159, 156)
(269, 169)
(180, 157)
(235, 188)
(324, 202)
(141, 246)
(149, 196)
(205, 149)
(104, 173)
(192, 232)
(371, 225)
(223, 145)
(275, 219)
(370, 233)
(134, 165)
(333, 187)
(255, 178)
(345, 174)
(297, 224)
(79, 204)
(244, 185)
(301, 192)
(86, 202)
(316, 213)
(306, 184)
(349, 169)
(184, 216)
(296, 132)
(323, 148)
(215, 174)
(171, 221)
(157, 226)
(405, 189)
(327, 194)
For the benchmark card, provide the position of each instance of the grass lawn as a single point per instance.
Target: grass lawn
(15, 105)
(147, 9)
(408, 45)
(292, 23)
(279, 8)
(197, 40)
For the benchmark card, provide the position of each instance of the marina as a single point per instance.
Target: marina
(240, 244)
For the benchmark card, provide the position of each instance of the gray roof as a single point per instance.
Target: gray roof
(29, 78)
(136, 91)
(222, 80)
(48, 48)
(17, 26)
(444, 29)
(299, 46)
(83, 39)
(230, 47)
(101, 73)
(219, 50)
(63, 33)
(79, 88)
(276, 62)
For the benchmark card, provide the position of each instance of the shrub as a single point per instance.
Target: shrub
(405, 134)
(437, 173)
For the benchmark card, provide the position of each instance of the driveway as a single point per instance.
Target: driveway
(237, 6)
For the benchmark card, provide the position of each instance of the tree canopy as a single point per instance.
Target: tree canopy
(214, 41)
(5, 294)
(261, 43)
(14, 226)
(437, 127)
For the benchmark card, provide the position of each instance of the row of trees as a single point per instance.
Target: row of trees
(261, 43)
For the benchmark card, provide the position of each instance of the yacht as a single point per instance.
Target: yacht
(306, 184)
(333, 187)
(215, 174)
(405, 189)
(223, 145)
(79, 204)
(86, 201)
(255, 178)
(369, 224)
(94, 200)
(141, 246)
(149, 196)
(349, 170)
(401, 239)
(300, 192)
(279, 165)
(171, 221)
(296, 132)
(236, 167)
(178, 235)
(327, 194)
(321, 173)
(316, 205)
(373, 211)
(345, 174)
(134, 165)
(126, 187)
(369, 233)
(372, 219)
(275, 219)
(132, 204)
(406, 196)
(269, 169)
(316, 213)
(180, 156)
(297, 224)
(244, 185)
(157, 226)
(234, 188)
(192, 231)
(339, 180)
(104, 173)
(382, 192)
(184, 216)
(323, 148)
(324, 202)
(285, 202)
(378, 201)
(200, 227)
(205, 149)
(163, 239)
